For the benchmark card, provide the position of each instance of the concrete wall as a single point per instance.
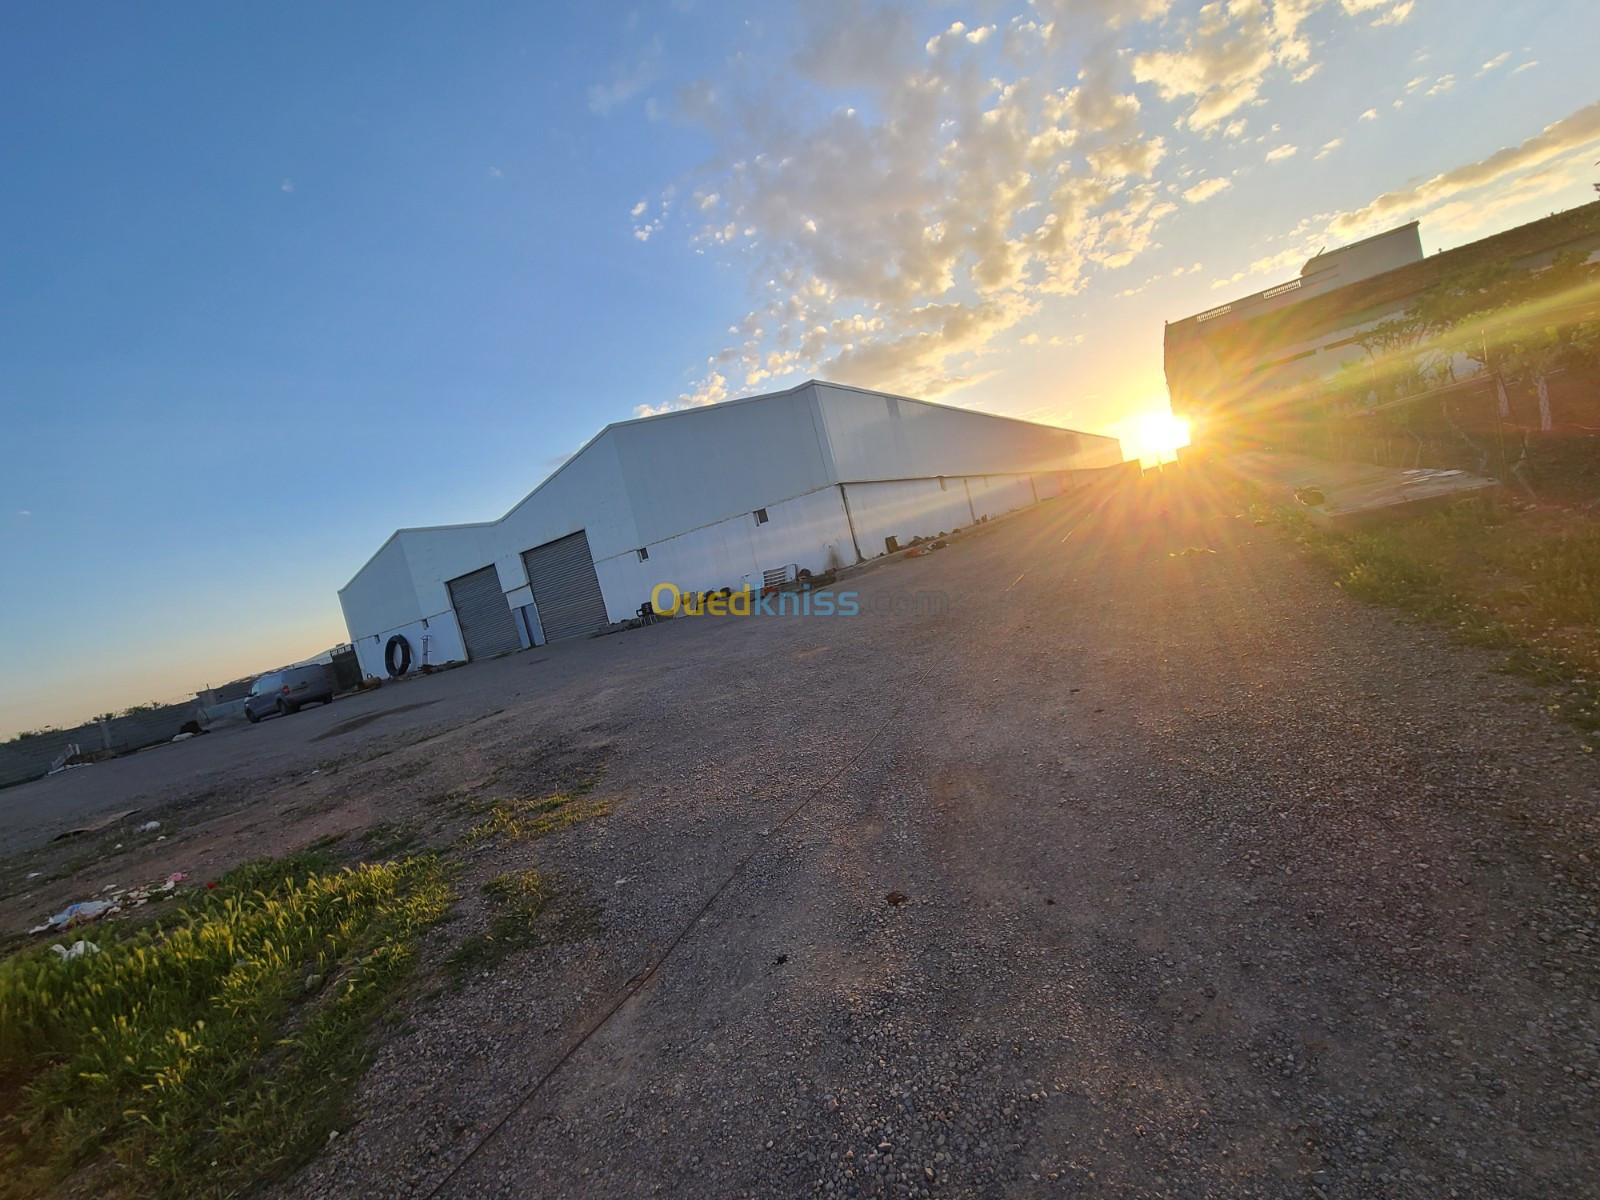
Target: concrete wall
(30, 757)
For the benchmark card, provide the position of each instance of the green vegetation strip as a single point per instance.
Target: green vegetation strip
(1527, 583)
(530, 818)
(518, 901)
(209, 1052)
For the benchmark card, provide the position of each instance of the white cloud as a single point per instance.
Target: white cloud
(1282, 152)
(917, 190)
(26, 512)
(1499, 60)
(496, 173)
(286, 186)
(895, 233)
(1370, 115)
(876, 39)
(1474, 213)
(1329, 147)
(1396, 15)
(1206, 189)
(1443, 84)
(1564, 137)
(628, 79)
(1271, 265)
(1227, 52)
(1527, 66)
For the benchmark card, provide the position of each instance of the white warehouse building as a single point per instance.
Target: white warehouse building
(736, 494)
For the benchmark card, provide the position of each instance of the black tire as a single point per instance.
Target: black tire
(284, 708)
(250, 715)
(397, 656)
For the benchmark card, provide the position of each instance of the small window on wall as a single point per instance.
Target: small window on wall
(761, 516)
(643, 552)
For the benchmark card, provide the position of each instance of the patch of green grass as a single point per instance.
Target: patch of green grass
(530, 909)
(206, 1053)
(388, 841)
(1526, 583)
(519, 899)
(530, 818)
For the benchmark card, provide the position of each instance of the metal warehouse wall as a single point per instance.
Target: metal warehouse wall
(586, 492)
(808, 531)
(885, 437)
(382, 595)
(686, 470)
(684, 486)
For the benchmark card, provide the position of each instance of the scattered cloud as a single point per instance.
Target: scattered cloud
(286, 186)
(628, 79)
(1527, 66)
(1270, 265)
(1206, 189)
(1443, 84)
(895, 232)
(1499, 60)
(1227, 53)
(1563, 137)
(1396, 15)
(919, 192)
(26, 512)
(496, 173)
(1471, 214)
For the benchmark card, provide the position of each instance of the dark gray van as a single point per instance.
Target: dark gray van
(284, 692)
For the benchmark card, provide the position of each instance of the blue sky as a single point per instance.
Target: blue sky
(274, 283)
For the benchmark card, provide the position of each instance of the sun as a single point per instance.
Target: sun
(1152, 436)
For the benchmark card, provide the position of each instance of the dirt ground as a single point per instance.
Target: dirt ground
(1155, 866)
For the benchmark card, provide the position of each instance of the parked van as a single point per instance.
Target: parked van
(284, 692)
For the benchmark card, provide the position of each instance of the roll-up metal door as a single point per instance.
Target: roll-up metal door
(485, 618)
(566, 590)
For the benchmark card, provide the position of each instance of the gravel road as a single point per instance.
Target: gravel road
(1155, 867)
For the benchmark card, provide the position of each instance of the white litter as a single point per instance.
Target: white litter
(79, 949)
(75, 914)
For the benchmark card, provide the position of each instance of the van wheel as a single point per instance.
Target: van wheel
(249, 715)
(283, 708)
